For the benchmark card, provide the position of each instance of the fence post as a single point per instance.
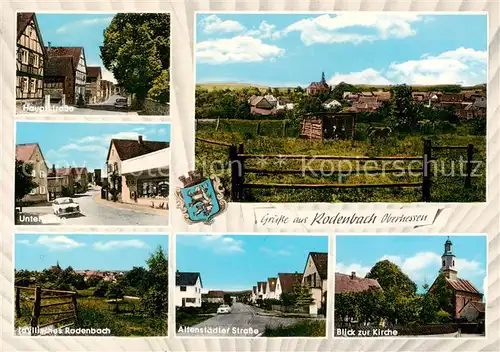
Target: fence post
(234, 164)
(468, 166)
(217, 124)
(36, 309)
(18, 302)
(258, 129)
(241, 176)
(426, 183)
(75, 309)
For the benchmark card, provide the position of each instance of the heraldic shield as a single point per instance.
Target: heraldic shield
(201, 199)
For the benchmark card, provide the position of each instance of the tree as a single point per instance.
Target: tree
(391, 278)
(444, 294)
(309, 104)
(342, 87)
(136, 278)
(116, 290)
(287, 299)
(302, 296)
(227, 299)
(160, 91)
(429, 308)
(136, 50)
(404, 115)
(155, 299)
(24, 183)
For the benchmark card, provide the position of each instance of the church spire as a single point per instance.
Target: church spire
(448, 261)
(323, 79)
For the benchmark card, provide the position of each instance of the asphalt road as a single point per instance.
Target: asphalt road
(93, 213)
(242, 321)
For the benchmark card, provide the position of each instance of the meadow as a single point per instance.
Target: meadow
(271, 138)
(122, 316)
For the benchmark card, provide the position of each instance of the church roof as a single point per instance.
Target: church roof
(463, 285)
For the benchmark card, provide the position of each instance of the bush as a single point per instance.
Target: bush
(479, 125)
(101, 289)
(443, 316)
(302, 328)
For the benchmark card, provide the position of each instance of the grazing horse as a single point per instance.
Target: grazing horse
(379, 133)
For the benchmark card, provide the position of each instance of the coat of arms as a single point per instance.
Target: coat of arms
(201, 199)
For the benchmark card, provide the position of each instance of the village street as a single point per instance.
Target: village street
(96, 213)
(242, 317)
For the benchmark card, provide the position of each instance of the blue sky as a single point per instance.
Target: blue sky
(83, 144)
(237, 262)
(77, 30)
(358, 48)
(97, 252)
(418, 256)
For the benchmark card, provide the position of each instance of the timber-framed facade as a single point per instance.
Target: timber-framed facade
(30, 60)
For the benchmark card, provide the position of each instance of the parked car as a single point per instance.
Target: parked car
(65, 206)
(121, 103)
(224, 309)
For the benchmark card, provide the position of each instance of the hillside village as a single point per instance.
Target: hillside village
(273, 103)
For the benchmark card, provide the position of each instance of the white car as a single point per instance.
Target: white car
(121, 103)
(224, 309)
(65, 206)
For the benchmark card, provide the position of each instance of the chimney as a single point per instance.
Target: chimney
(353, 275)
(140, 139)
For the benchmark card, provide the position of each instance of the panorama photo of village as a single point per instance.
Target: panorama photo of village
(92, 174)
(350, 107)
(404, 285)
(251, 285)
(93, 64)
(91, 285)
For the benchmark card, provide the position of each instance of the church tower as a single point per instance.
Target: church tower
(323, 79)
(448, 261)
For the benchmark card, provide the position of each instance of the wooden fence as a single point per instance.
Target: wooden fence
(238, 157)
(68, 313)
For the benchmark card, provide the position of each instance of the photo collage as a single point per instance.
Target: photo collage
(327, 176)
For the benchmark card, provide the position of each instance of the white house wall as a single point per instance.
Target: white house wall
(191, 292)
(152, 161)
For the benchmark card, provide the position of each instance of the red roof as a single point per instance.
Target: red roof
(131, 148)
(94, 71)
(25, 151)
(287, 281)
(262, 286)
(215, 294)
(75, 52)
(479, 306)
(271, 281)
(59, 66)
(347, 283)
(23, 18)
(462, 285)
(321, 262)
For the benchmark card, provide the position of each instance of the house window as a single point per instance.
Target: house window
(20, 55)
(443, 262)
(24, 86)
(41, 61)
(42, 190)
(183, 288)
(453, 262)
(32, 85)
(190, 300)
(31, 59)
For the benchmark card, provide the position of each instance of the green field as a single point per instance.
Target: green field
(97, 313)
(445, 188)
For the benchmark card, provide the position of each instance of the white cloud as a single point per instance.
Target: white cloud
(110, 245)
(360, 270)
(459, 66)
(463, 66)
(217, 243)
(236, 49)
(341, 28)
(422, 266)
(265, 30)
(84, 148)
(271, 251)
(213, 24)
(25, 242)
(368, 76)
(58, 242)
(77, 25)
